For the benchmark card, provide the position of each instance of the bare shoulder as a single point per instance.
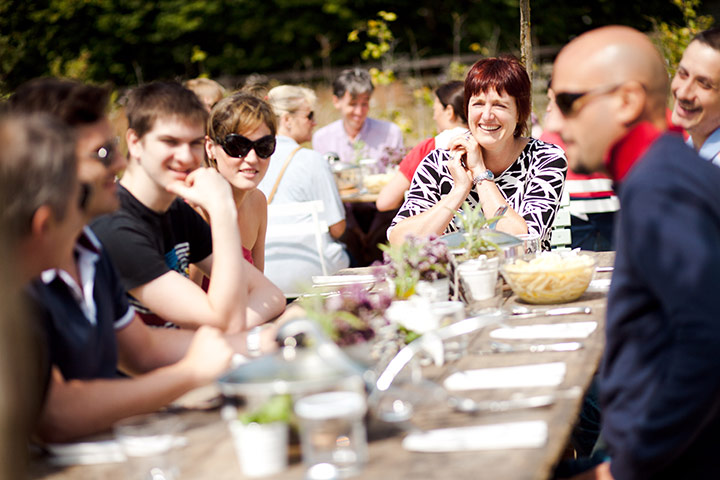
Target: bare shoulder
(257, 200)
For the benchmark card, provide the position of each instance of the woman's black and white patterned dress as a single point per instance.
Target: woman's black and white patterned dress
(532, 186)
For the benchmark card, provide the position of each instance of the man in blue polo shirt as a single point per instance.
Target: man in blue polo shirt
(92, 330)
(39, 221)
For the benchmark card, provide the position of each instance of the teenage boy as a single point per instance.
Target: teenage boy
(156, 235)
(92, 331)
(356, 134)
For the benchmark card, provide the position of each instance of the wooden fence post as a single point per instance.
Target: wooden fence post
(526, 37)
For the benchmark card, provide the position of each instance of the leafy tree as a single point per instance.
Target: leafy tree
(129, 41)
(672, 39)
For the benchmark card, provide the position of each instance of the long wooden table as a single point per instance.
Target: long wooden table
(209, 452)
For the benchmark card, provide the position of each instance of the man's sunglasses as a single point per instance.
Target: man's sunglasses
(566, 100)
(106, 153)
(238, 146)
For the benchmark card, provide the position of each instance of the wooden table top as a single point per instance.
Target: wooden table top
(356, 197)
(209, 452)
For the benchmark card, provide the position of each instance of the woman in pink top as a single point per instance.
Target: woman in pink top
(449, 116)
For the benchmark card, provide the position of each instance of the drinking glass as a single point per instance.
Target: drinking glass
(148, 443)
(332, 430)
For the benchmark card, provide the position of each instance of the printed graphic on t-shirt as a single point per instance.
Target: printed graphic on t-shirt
(177, 259)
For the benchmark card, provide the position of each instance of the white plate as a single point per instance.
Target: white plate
(329, 280)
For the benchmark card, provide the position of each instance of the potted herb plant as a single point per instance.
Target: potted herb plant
(473, 224)
(261, 437)
(415, 264)
(478, 265)
(352, 318)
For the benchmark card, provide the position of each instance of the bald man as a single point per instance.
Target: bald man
(660, 375)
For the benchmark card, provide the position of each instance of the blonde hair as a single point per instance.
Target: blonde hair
(290, 98)
(205, 87)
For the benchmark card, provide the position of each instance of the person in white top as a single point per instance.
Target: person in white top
(696, 89)
(299, 175)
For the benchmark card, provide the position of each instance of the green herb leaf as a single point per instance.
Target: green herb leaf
(277, 409)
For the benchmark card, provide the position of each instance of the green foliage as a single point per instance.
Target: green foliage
(277, 409)
(123, 42)
(672, 39)
(413, 260)
(378, 46)
(473, 221)
(316, 309)
(457, 71)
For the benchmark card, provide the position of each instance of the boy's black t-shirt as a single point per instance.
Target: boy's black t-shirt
(144, 244)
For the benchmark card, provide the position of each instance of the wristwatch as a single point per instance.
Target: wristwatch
(486, 175)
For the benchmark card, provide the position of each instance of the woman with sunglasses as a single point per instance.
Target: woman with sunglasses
(492, 167)
(449, 116)
(240, 141)
(299, 174)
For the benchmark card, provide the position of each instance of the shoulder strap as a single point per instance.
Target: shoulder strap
(282, 172)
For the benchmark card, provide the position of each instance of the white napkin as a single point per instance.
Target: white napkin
(540, 375)
(92, 453)
(531, 434)
(552, 330)
(601, 285)
(85, 453)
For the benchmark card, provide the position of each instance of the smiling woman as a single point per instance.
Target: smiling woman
(491, 167)
(240, 141)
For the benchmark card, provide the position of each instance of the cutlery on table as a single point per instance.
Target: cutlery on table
(468, 405)
(518, 311)
(502, 347)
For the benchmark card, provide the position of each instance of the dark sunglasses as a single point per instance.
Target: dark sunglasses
(106, 153)
(238, 146)
(566, 100)
(310, 116)
(84, 197)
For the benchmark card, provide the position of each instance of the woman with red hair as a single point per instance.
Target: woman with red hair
(492, 166)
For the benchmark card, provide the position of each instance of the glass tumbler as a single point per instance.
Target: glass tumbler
(332, 430)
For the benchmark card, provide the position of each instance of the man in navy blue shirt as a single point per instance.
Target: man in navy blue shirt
(659, 382)
(92, 330)
(40, 218)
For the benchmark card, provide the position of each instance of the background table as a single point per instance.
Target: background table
(210, 454)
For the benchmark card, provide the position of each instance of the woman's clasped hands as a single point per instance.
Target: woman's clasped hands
(466, 161)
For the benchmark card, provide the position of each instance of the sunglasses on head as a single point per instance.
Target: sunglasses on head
(566, 100)
(106, 153)
(238, 146)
